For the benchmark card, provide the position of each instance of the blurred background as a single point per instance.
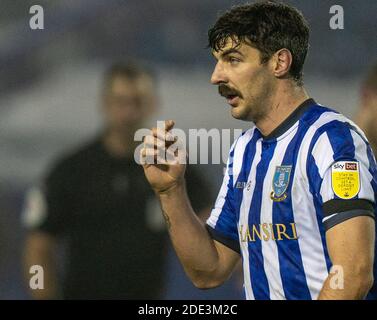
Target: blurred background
(50, 82)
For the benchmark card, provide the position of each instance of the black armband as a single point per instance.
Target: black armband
(337, 211)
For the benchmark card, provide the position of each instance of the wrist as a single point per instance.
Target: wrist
(177, 187)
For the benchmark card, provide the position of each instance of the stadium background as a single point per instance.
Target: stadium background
(49, 81)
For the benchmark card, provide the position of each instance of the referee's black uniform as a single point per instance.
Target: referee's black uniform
(99, 205)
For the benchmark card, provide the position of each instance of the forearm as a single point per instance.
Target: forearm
(355, 287)
(192, 242)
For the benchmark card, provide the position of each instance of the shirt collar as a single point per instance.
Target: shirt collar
(291, 120)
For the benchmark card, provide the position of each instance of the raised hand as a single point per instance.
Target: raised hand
(163, 159)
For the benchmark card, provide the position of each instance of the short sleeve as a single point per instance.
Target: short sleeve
(222, 223)
(345, 174)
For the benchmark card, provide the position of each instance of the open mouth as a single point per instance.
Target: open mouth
(232, 99)
(231, 95)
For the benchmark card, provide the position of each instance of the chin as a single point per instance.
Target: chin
(238, 113)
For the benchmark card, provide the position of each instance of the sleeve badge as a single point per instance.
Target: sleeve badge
(345, 179)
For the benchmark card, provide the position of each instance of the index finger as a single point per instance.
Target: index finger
(169, 124)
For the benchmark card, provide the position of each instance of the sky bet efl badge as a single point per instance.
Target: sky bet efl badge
(280, 183)
(345, 179)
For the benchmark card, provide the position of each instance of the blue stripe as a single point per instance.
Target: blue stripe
(291, 266)
(317, 181)
(226, 223)
(314, 184)
(341, 141)
(338, 132)
(259, 280)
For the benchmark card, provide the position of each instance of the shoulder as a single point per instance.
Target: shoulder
(334, 137)
(73, 160)
(324, 123)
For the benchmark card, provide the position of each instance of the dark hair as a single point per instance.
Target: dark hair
(268, 26)
(129, 70)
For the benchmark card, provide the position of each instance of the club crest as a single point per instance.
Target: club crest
(280, 183)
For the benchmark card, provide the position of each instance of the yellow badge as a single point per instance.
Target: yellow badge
(345, 179)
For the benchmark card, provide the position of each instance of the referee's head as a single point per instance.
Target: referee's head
(129, 96)
(255, 46)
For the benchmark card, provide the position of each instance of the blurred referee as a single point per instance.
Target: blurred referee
(97, 200)
(366, 117)
(298, 199)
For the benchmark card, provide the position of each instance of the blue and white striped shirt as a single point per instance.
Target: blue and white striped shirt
(281, 194)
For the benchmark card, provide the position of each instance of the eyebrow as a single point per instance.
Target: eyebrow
(229, 51)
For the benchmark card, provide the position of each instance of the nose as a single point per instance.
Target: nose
(218, 75)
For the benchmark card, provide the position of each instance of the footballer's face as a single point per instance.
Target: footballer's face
(128, 102)
(243, 80)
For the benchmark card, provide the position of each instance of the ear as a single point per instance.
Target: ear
(283, 61)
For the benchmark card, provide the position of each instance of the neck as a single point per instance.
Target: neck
(281, 105)
(119, 144)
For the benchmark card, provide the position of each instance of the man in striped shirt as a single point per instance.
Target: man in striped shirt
(298, 198)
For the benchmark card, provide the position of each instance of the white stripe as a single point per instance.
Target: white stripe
(323, 154)
(244, 221)
(329, 217)
(269, 248)
(324, 157)
(366, 189)
(216, 211)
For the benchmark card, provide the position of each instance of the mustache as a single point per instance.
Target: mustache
(226, 91)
